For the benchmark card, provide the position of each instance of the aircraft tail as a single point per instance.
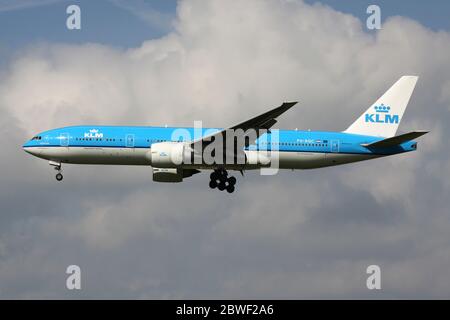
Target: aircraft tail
(383, 117)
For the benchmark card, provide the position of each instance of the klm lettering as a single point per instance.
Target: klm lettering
(382, 118)
(93, 134)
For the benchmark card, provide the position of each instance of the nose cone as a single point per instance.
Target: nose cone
(28, 147)
(30, 150)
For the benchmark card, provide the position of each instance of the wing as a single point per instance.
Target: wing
(263, 121)
(260, 124)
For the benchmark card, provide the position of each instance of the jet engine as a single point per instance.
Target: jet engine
(169, 154)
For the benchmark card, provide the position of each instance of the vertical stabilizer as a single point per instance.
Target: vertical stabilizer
(383, 117)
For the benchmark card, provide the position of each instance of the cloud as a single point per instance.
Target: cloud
(305, 234)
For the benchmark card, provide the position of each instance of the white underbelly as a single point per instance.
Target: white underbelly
(311, 160)
(142, 156)
(94, 155)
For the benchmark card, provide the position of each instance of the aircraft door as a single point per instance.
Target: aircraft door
(64, 139)
(129, 141)
(335, 146)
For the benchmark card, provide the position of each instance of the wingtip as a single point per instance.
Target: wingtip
(412, 77)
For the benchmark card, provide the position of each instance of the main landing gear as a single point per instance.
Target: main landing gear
(221, 181)
(57, 166)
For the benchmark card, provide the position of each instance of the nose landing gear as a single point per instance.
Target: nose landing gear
(221, 181)
(57, 166)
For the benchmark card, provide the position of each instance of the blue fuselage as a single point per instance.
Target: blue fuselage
(144, 137)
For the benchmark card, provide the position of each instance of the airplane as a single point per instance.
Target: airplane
(174, 158)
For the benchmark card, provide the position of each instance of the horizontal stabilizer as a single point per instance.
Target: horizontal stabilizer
(395, 141)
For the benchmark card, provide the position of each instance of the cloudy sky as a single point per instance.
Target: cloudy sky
(303, 234)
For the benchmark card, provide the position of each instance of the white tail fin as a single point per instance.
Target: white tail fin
(383, 117)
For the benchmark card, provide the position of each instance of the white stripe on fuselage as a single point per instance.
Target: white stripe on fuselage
(142, 156)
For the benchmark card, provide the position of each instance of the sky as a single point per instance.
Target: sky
(303, 234)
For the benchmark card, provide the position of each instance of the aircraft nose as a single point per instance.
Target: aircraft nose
(28, 147)
(30, 150)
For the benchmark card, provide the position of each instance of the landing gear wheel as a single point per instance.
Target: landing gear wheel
(230, 188)
(221, 186)
(59, 176)
(214, 175)
(213, 184)
(220, 180)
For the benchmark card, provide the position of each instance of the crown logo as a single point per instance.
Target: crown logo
(93, 131)
(382, 108)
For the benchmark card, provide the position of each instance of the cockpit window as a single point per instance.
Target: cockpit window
(36, 138)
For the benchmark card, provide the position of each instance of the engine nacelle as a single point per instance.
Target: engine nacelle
(169, 154)
(167, 174)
